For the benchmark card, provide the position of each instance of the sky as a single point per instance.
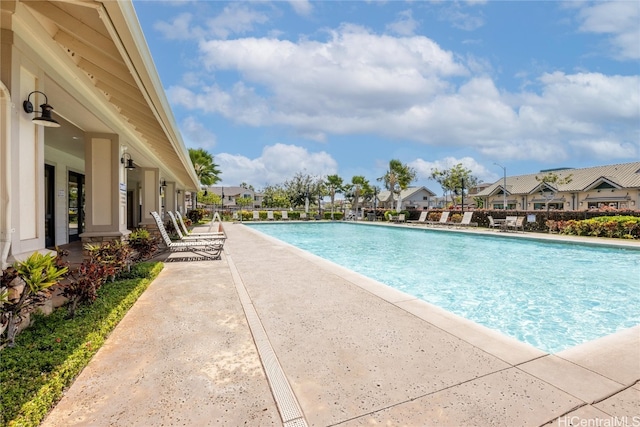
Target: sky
(273, 88)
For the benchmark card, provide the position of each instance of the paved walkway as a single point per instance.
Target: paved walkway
(271, 335)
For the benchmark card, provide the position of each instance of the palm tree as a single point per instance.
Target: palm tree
(359, 185)
(398, 178)
(335, 184)
(206, 170)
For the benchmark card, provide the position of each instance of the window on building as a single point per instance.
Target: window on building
(552, 206)
(600, 205)
(498, 206)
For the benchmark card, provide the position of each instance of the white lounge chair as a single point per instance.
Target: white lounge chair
(210, 248)
(256, 216)
(493, 223)
(270, 215)
(442, 221)
(510, 222)
(285, 215)
(519, 223)
(191, 235)
(423, 218)
(466, 220)
(303, 216)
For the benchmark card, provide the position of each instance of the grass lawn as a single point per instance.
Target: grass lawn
(50, 354)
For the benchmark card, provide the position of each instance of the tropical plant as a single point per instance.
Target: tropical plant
(114, 255)
(397, 178)
(359, 186)
(142, 244)
(335, 185)
(203, 163)
(454, 178)
(55, 349)
(35, 276)
(84, 284)
(196, 215)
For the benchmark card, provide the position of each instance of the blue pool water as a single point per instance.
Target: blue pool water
(550, 295)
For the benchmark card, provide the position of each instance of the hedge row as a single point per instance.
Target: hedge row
(621, 227)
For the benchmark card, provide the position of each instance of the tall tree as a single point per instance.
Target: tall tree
(275, 196)
(206, 170)
(457, 177)
(303, 188)
(359, 186)
(397, 178)
(335, 185)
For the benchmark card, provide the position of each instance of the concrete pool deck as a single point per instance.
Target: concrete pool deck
(272, 335)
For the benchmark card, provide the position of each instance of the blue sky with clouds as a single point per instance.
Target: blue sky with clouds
(275, 88)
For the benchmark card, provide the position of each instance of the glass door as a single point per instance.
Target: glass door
(76, 206)
(49, 207)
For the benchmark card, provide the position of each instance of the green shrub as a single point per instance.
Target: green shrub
(142, 244)
(336, 215)
(455, 217)
(620, 227)
(434, 216)
(196, 215)
(53, 351)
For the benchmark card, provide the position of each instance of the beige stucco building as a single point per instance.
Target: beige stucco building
(88, 59)
(610, 186)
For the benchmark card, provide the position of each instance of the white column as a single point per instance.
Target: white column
(5, 176)
(170, 197)
(150, 192)
(105, 189)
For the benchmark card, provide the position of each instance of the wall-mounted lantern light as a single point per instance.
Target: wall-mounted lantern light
(45, 113)
(127, 161)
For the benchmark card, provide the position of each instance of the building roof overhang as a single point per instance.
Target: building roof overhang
(602, 180)
(100, 68)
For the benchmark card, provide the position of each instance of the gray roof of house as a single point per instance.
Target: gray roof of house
(232, 191)
(406, 194)
(626, 175)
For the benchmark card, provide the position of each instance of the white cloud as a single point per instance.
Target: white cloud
(352, 75)
(409, 89)
(235, 19)
(606, 149)
(404, 25)
(196, 134)
(620, 20)
(180, 28)
(276, 164)
(301, 7)
(460, 19)
(424, 168)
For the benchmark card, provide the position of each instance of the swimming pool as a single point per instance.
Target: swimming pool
(550, 295)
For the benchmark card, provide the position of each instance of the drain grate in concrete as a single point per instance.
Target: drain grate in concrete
(290, 411)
